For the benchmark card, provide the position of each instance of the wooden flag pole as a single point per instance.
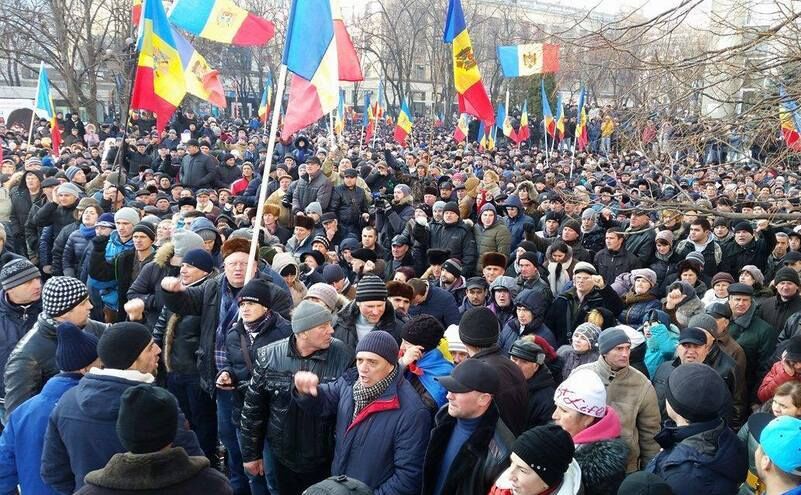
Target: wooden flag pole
(33, 108)
(254, 242)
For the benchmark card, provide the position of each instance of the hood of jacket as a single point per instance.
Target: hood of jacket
(283, 260)
(164, 254)
(606, 428)
(98, 397)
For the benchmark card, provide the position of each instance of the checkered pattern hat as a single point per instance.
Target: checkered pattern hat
(61, 294)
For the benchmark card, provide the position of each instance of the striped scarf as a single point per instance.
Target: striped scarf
(363, 396)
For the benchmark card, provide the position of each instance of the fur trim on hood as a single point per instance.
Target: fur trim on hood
(164, 254)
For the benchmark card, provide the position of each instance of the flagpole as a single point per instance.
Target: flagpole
(378, 105)
(331, 128)
(36, 97)
(545, 128)
(254, 242)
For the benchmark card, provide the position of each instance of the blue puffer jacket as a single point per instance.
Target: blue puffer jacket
(23, 439)
(73, 258)
(440, 304)
(385, 444)
(519, 224)
(701, 458)
(82, 432)
(15, 321)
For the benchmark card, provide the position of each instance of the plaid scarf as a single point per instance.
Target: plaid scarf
(363, 396)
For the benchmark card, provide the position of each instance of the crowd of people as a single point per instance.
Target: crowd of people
(440, 319)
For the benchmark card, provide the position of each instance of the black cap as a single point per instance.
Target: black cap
(350, 172)
(471, 375)
(477, 283)
(741, 289)
(791, 257)
(328, 217)
(692, 335)
(719, 310)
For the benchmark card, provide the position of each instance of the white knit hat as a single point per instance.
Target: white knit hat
(583, 392)
(454, 342)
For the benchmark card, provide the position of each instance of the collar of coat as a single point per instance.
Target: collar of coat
(153, 471)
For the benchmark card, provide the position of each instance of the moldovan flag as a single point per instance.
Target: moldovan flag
(460, 133)
(473, 97)
(404, 126)
(45, 109)
(527, 60)
(582, 138)
(159, 82)
(349, 69)
(201, 80)
(310, 54)
(266, 99)
(560, 117)
(340, 123)
(790, 121)
(222, 21)
(505, 121)
(486, 138)
(523, 132)
(547, 115)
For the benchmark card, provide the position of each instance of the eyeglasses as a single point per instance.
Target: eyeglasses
(236, 264)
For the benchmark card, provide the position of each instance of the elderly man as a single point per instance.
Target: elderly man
(755, 335)
(300, 444)
(630, 393)
(382, 426)
(370, 311)
(787, 301)
(451, 235)
(215, 303)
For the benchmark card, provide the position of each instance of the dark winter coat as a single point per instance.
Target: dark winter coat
(393, 221)
(440, 304)
(33, 361)
(703, 458)
(712, 252)
(204, 301)
(170, 471)
(479, 462)
(567, 312)
(384, 445)
(349, 205)
(756, 252)
(21, 202)
(74, 251)
(147, 285)
(240, 368)
(725, 369)
(345, 326)
(637, 309)
(664, 267)
(310, 189)
(198, 171)
(59, 245)
(56, 215)
(512, 399)
(611, 264)
(119, 269)
(457, 238)
(511, 332)
(226, 175)
(82, 432)
(641, 244)
(15, 322)
(775, 311)
(758, 340)
(300, 441)
(541, 387)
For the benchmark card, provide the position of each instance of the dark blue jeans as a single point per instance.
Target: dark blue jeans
(198, 407)
(267, 484)
(227, 433)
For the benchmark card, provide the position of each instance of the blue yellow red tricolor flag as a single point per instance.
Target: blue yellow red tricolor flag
(222, 21)
(460, 133)
(310, 54)
(582, 138)
(266, 99)
(404, 125)
(201, 80)
(44, 108)
(339, 126)
(560, 117)
(473, 97)
(159, 82)
(790, 121)
(523, 132)
(486, 137)
(547, 115)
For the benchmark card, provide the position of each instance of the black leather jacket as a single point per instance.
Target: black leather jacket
(33, 361)
(480, 461)
(299, 440)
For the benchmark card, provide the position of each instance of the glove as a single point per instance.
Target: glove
(99, 242)
(286, 201)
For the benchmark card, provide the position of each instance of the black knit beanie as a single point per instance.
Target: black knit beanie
(479, 327)
(148, 419)
(548, 450)
(121, 344)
